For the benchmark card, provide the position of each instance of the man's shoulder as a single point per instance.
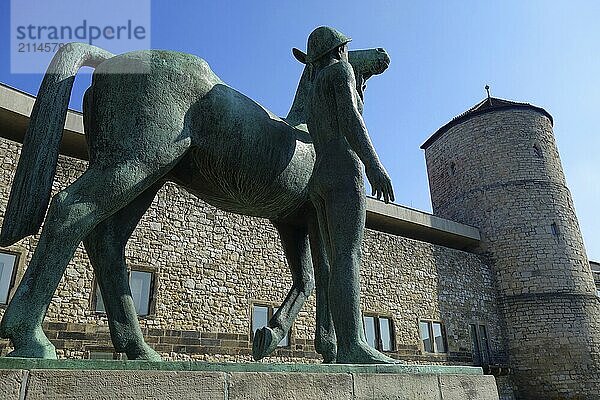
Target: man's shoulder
(341, 70)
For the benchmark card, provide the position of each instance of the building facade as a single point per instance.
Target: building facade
(497, 277)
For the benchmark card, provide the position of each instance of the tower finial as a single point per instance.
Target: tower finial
(487, 89)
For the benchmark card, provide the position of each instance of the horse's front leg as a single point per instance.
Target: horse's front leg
(294, 239)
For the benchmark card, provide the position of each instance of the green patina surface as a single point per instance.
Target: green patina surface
(31, 363)
(189, 127)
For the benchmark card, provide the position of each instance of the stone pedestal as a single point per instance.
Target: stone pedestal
(28, 379)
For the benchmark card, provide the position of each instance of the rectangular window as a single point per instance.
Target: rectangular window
(475, 349)
(140, 283)
(260, 317)
(261, 314)
(8, 268)
(439, 342)
(99, 303)
(370, 333)
(485, 346)
(379, 332)
(433, 337)
(386, 334)
(425, 337)
(480, 344)
(141, 286)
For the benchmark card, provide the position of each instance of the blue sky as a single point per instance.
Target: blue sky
(443, 53)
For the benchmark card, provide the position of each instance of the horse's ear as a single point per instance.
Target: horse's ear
(299, 54)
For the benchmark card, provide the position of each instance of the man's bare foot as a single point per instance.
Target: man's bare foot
(362, 353)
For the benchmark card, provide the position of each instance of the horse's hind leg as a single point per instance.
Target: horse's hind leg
(73, 213)
(105, 246)
(296, 248)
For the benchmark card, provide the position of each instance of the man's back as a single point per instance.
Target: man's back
(333, 99)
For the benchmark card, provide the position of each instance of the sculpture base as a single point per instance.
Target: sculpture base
(30, 379)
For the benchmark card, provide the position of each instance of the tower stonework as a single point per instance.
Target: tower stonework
(497, 167)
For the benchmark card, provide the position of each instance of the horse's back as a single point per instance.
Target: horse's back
(142, 98)
(233, 153)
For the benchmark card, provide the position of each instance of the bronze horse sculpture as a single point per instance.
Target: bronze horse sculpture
(150, 117)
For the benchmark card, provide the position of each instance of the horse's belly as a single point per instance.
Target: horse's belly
(265, 201)
(268, 191)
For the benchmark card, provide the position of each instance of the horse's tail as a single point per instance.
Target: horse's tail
(31, 188)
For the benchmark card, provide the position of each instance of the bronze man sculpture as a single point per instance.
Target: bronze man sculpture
(186, 126)
(336, 187)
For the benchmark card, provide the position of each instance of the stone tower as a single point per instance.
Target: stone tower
(497, 167)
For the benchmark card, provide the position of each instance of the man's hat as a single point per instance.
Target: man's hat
(320, 42)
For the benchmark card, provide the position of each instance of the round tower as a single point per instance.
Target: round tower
(497, 167)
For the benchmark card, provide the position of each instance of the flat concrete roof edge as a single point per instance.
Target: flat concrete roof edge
(20, 102)
(421, 217)
(419, 225)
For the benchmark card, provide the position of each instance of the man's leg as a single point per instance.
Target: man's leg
(344, 222)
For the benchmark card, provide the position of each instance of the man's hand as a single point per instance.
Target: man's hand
(381, 184)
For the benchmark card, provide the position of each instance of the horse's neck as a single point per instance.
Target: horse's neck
(297, 114)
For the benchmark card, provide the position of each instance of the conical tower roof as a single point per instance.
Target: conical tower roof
(489, 104)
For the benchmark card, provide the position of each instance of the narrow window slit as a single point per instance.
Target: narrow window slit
(452, 168)
(554, 229)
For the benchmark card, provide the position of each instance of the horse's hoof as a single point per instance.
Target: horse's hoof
(146, 353)
(35, 350)
(150, 355)
(264, 343)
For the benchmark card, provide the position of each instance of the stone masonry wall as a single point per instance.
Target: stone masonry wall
(210, 266)
(500, 171)
(596, 273)
(485, 172)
